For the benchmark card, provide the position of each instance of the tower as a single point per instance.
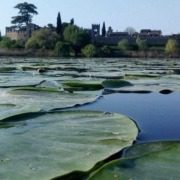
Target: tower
(95, 30)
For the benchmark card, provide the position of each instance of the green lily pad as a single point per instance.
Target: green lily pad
(7, 69)
(141, 75)
(158, 161)
(54, 144)
(46, 89)
(8, 111)
(103, 74)
(17, 80)
(116, 83)
(78, 85)
(47, 98)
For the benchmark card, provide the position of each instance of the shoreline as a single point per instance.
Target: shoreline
(50, 53)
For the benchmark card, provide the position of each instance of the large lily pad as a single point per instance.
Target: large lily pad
(10, 110)
(54, 144)
(46, 98)
(158, 161)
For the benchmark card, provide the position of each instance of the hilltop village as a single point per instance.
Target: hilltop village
(69, 40)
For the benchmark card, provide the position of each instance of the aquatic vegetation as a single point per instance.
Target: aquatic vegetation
(158, 160)
(80, 85)
(43, 135)
(52, 144)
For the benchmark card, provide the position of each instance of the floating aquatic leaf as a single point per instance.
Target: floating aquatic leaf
(116, 83)
(104, 74)
(9, 110)
(54, 144)
(47, 98)
(158, 161)
(78, 85)
(7, 69)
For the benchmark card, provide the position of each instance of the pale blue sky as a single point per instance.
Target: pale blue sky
(155, 14)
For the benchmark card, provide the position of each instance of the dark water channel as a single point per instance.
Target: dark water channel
(157, 115)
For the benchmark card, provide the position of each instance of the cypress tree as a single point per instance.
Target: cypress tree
(104, 30)
(72, 21)
(59, 24)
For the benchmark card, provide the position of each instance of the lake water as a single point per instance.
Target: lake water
(157, 115)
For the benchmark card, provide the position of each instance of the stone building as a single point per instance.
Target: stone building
(150, 33)
(21, 33)
(153, 37)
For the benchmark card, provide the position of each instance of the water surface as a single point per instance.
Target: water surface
(157, 115)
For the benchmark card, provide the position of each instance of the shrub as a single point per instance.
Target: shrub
(43, 39)
(89, 50)
(123, 45)
(105, 51)
(171, 47)
(62, 49)
(142, 44)
(77, 37)
(6, 43)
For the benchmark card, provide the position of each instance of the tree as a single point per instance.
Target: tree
(77, 37)
(42, 39)
(25, 14)
(130, 30)
(171, 47)
(89, 50)
(51, 26)
(62, 49)
(123, 45)
(6, 43)
(19, 44)
(104, 30)
(142, 44)
(72, 21)
(105, 51)
(59, 24)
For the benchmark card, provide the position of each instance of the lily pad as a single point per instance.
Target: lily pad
(54, 144)
(116, 83)
(10, 110)
(158, 161)
(7, 69)
(78, 85)
(46, 89)
(104, 74)
(47, 98)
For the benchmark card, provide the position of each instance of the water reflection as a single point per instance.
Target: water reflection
(157, 115)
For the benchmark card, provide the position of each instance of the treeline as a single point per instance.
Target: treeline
(70, 40)
(76, 42)
(73, 41)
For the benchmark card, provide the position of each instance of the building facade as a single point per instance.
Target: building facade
(21, 33)
(152, 37)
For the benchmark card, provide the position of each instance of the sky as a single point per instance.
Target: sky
(119, 14)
